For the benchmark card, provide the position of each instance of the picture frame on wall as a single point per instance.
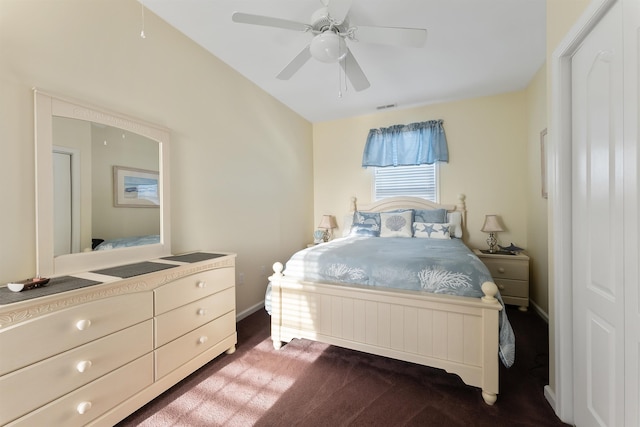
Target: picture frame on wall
(543, 162)
(135, 188)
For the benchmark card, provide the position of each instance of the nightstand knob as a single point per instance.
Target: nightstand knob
(202, 284)
(501, 287)
(203, 339)
(500, 270)
(201, 312)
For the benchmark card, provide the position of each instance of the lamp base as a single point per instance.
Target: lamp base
(492, 242)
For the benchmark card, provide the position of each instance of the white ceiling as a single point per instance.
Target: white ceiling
(474, 48)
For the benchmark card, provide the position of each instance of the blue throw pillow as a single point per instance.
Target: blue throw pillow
(370, 230)
(434, 216)
(367, 218)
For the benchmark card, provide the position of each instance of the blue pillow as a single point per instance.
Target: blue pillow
(434, 216)
(370, 230)
(367, 218)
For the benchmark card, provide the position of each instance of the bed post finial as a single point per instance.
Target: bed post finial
(461, 206)
(354, 204)
(277, 269)
(490, 290)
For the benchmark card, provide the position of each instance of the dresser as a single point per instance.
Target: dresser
(95, 354)
(511, 275)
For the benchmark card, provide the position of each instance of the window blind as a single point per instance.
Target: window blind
(417, 181)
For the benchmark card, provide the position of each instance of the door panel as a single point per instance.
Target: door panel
(62, 203)
(597, 229)
(631, 28)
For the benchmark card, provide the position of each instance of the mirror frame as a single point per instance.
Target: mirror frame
(46, 106)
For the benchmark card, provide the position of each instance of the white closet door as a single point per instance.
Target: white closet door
(598, 226)
(632, 214)
(62, 203)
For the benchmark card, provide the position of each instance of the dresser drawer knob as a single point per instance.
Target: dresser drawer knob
(500, 269)
(501, 287)
(83, 407)
(203, 339)
(201, 312)
(83, 365)
(83, 324)
(202, 284)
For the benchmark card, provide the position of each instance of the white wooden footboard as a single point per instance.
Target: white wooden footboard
(457, 334)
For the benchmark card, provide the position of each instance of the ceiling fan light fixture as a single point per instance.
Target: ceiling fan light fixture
(328, 47)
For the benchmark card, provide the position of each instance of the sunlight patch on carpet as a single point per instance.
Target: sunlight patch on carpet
(239, 393)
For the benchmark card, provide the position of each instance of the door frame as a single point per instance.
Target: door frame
(75, 194)
(560, 210)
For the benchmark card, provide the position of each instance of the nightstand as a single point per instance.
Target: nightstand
(511, 275)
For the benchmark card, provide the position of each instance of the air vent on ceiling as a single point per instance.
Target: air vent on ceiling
(385, 107)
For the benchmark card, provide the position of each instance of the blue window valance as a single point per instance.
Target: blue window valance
(404, 145)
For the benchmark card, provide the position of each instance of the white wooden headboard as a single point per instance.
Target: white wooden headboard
(407, 202)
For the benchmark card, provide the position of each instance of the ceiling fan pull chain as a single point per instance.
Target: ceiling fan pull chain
(142, 34)
(339, 81)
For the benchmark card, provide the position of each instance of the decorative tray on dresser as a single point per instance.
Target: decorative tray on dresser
(93, 347)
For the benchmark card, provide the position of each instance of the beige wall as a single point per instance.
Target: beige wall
(241, 162)
(108, 221)
(487, 139)
(536, 204)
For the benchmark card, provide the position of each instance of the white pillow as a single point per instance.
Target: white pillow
(455, 219)
(346, 224)
(430, 230)
(396, 224)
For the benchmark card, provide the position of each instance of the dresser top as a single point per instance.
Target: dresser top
(66, 291)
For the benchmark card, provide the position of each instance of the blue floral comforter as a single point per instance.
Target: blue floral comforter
(444, 266)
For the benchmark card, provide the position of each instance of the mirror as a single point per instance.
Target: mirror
(100, 187)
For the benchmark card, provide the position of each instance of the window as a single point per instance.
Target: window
(417, 181)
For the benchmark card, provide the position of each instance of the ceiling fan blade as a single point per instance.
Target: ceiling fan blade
(338, 10)
(354, 72)
(293, 66)
(394, 36)
(267, 21)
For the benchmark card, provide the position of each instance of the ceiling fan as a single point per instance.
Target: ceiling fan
(330, 28)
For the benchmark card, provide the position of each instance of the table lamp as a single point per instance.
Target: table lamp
(327, 223)
(491, 226)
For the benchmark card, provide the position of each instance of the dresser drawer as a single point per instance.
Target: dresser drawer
(29, 388)
(95, 398)
(192, 288)
(34, 340)
(185, 348)
(513, 288)
(175, 323)
(507, 268)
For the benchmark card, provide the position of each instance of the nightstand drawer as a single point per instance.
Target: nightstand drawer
(507, 269)
(513, 288)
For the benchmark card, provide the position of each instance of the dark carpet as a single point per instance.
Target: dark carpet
(312, 384)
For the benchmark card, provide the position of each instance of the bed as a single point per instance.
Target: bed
(124, 242)
(465, 333)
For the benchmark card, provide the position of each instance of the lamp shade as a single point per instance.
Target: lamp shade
(491, 224)
(328, 222)
(328, 47)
